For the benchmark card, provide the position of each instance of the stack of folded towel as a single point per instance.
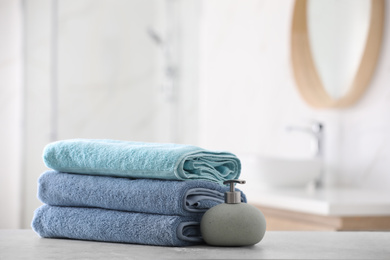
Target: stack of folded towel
(130, 192)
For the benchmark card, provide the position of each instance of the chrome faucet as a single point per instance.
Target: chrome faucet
(315, 129)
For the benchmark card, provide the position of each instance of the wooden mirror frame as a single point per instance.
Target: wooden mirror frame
(306, 76)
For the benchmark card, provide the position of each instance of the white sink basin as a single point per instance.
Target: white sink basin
(279, 172)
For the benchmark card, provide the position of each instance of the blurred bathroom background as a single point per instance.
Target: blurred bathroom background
(213, 73)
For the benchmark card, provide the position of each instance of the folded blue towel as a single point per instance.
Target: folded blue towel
(115, 226)
(141, 160)
(138, 195)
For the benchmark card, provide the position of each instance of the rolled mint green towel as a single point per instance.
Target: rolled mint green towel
(141, 160)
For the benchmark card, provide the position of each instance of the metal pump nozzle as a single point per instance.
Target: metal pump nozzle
(233, 196)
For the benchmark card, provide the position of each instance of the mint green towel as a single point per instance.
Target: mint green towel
(141, 160)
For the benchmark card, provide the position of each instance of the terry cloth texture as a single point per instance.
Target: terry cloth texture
(141, 160)
(115, 226)
(183, 198)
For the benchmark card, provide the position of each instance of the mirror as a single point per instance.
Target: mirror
(337, 36)
(334, 49)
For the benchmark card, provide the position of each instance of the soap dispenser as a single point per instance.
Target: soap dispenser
(233, 223)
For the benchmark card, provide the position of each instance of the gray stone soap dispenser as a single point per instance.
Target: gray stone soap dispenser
(233, 223)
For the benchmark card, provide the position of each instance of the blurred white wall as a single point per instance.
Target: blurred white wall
(11, 112)
(89, 69)
(248, 95)
(105, 78)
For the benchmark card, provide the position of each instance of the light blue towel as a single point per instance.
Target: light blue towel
(141, 160)
(115, 226)
(184, 198)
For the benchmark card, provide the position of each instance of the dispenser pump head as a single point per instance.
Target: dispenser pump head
(233, 196)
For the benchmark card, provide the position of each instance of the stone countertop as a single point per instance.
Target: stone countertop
(25, 244)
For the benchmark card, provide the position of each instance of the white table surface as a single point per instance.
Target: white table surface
(329, 202)
(25, 244)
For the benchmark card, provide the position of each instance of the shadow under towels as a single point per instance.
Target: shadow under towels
(144, 211)
(141, 160)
